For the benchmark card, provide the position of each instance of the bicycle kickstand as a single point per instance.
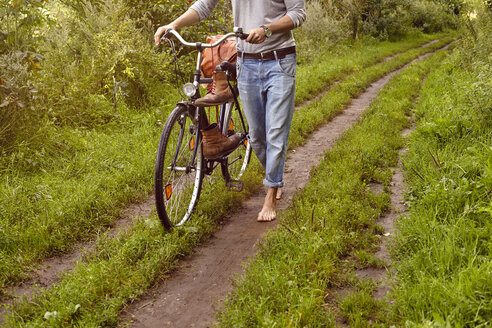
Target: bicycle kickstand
(235, 185)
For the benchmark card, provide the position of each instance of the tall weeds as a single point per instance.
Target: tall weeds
(443, 248)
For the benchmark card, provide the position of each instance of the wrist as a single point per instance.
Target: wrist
(266, 30)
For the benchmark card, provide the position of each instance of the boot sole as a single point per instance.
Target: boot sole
(213, 104)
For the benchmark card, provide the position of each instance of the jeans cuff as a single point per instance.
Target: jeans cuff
(271, 184)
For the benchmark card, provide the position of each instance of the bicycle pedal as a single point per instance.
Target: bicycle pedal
(235, 185)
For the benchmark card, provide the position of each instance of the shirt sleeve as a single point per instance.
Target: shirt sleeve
(204, 7)
(296, 11)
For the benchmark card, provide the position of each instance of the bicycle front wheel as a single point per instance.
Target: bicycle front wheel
(238, 160)
(178, 173)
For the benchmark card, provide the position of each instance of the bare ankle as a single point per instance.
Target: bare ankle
(271, 198)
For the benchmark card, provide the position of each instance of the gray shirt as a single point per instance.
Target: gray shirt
(250, 14)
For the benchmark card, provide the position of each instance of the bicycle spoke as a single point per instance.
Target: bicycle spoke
(177, 171)
(239, 158)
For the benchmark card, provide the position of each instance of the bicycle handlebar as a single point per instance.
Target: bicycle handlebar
(238, 32)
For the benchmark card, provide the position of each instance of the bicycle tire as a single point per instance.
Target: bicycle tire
(178, 186)
(238, 160)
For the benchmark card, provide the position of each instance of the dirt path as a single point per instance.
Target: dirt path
(189, 298)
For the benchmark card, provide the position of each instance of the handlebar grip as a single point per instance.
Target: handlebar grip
(165, 36)
(227, 66)
(243, 36)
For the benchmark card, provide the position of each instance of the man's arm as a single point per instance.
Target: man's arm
(257, 35)
(294, 17)
(190, 17)
(198, 11)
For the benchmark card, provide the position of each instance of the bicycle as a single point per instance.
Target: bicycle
(180, 166)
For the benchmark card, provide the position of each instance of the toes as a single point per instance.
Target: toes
(261, 217)
(267, 216)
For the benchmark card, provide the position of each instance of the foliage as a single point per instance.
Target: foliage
(19, 118)
(325, 24)
(84, 62)
(393, 18)
(108, 65)
(431, 16)
(20, 23)
(453, 6)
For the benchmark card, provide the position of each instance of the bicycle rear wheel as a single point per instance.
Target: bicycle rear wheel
(178, 178)
(238, 160)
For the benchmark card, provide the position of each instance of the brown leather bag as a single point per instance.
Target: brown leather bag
(226, 51)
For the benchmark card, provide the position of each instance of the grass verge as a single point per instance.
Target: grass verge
(331, 67)
(443, 247)
(313, 115)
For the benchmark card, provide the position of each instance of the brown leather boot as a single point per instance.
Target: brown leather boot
(215, 144)
(220, 93)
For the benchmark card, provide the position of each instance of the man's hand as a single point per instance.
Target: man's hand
(256, 35)
(160, 32)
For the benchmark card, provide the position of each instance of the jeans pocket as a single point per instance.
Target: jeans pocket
(238, 68)
(288, 65)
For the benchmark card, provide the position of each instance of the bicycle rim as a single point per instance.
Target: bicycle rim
(238, 160)
(178, 180)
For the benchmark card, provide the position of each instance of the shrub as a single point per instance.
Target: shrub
(326, 24)
(103, 54)
(99, 59)
(430, 16)
(385, 19)
(19, 116)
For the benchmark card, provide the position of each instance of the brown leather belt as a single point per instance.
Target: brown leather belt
(269, 55)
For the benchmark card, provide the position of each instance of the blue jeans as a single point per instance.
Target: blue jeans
(267, 90)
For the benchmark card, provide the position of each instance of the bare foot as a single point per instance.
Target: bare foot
(279, 194)
(268, 212)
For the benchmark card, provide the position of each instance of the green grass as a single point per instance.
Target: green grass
(331, 67)
(289, 281)
(322, 110)
(443, 248)
(46, 212)
(122, 268)
(359, 306)
(145, 253)
(55, 198)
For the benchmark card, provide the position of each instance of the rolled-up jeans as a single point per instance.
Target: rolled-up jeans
(267, 90)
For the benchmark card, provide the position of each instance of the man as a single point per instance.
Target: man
(266, 78)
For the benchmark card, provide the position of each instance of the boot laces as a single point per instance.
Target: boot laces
(212, 87)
